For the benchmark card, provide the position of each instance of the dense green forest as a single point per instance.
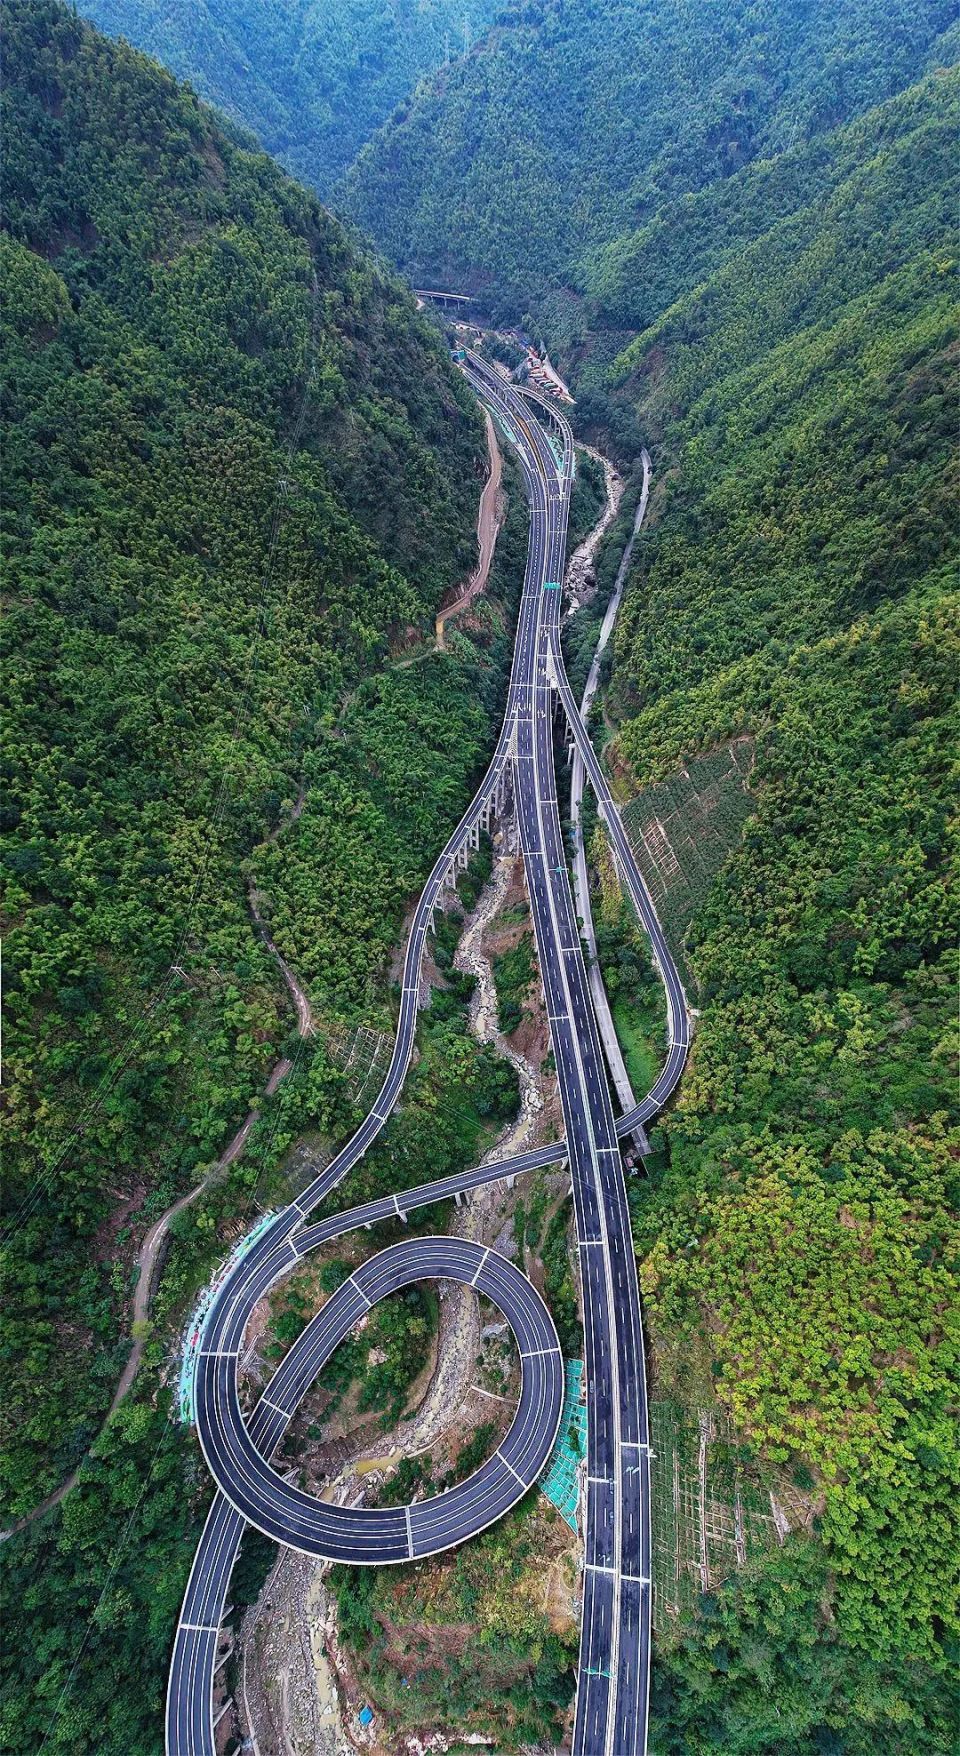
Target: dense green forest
(312, 82)
(576, 122)
(240, 476)
(798, 585)
(187, 329)
(239, 479)
(809, 383)
(634, 279)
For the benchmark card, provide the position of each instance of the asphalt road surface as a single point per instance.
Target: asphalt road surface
(619, 1076)
(613, 1680)
(612, 1695)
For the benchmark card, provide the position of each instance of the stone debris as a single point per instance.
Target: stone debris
(471, 959)
(289, 1686)
(581, 580)
(291, 1662)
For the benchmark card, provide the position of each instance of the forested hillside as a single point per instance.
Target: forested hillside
(633, 280)
(799, 1240)
(738, 229)
(239, 478)
(313, 82)
(575, 122)
(238, 471)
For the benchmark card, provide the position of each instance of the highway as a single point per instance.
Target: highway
(237, 1452)
(613, 1053)
(613, 1681)
(612, 1694)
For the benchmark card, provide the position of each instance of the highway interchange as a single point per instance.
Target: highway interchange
(613, 1679)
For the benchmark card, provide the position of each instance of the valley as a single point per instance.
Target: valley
(478, 827)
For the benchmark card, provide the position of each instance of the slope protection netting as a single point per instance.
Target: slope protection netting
(561, 1482)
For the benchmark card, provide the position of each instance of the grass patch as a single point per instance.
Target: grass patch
(633, 986)
(633, 1029)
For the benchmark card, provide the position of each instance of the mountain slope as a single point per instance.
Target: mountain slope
(797, 588)
(573, 124)
(239, 473)
(634, 279)
(807, 383)
(312, 82)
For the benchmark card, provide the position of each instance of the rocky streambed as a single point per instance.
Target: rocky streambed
(289, 1659)
(580, 580)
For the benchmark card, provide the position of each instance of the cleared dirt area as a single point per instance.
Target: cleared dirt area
(489, 519)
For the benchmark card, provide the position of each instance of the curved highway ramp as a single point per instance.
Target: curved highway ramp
(613, 1678)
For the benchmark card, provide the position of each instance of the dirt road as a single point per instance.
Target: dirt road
(488, 529)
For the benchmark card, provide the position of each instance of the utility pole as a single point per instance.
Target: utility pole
(467, 35)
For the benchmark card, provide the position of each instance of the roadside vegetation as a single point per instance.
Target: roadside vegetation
(559, 1286)
(184, 329)
(587, 498)
(465, 1642)
(377, 1365)
(759, 1669)
(633, 985)
(514, 972)
(458, 1097)
(797, 588)
(384, 788)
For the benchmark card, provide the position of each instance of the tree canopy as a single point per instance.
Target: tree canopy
(239, 473)
(312, 82)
